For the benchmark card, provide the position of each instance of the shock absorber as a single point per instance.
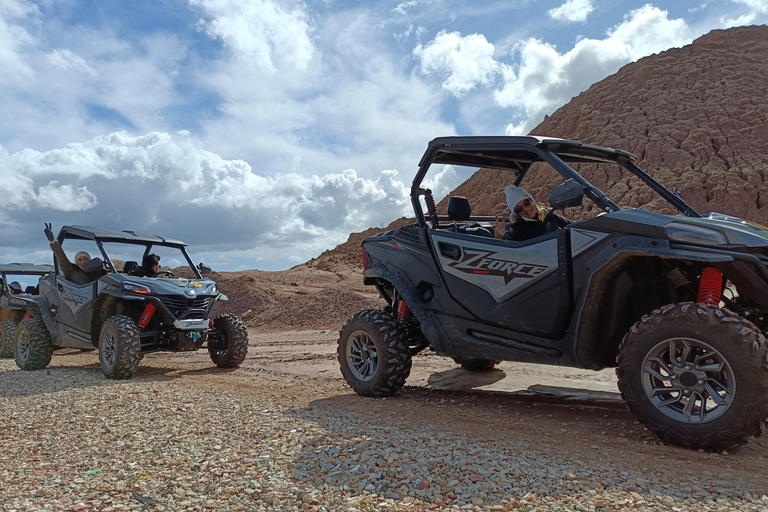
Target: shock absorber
(431, 208)
(403, 312)
(709, 287)
(146, 316)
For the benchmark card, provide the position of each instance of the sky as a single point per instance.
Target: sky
(263, 132)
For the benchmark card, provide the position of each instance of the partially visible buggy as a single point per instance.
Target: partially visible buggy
(125, 314)
(13, 297)
(678, 303)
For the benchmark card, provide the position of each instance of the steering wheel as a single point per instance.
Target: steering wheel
(162, 273)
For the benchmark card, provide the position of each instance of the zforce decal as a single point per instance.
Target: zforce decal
(73, 300)
(490, 263)
(500, 270)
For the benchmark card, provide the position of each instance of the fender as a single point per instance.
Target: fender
(45, 314)
(430, 326)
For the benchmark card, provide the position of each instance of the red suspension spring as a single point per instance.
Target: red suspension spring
(709, 287)
(403, 312)
(149, 310)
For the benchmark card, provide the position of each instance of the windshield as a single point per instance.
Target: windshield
(172, 259)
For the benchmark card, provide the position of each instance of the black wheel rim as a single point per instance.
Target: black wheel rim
(688, 380)
(362, 356)
(222, 345)
(109, 348)
(22, 346)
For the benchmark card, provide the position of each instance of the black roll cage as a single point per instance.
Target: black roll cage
(99, 236)
(515, 154)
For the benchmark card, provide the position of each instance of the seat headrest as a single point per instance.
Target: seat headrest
(458, 208)
(129, 265)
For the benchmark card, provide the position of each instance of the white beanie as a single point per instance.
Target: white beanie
(515, 195)
(82, 253)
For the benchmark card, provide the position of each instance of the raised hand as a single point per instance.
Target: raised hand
(48, 232)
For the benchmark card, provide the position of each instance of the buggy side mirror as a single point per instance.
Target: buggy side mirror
(567, 194)
(202, 267)
(93, 265)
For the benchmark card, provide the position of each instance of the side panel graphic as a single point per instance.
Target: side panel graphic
(501, 271)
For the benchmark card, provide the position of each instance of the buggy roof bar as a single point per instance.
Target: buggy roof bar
(104, 235)
(25, 269)
(484, 151)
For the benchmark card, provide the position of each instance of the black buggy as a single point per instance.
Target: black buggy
(678, 303)
(13, 296)
(124, 313)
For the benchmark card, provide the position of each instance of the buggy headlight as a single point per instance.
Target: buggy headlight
(689, 233)
(136, 288)
(214, 289)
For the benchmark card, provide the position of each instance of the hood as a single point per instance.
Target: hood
(751, 234)
(712, 229)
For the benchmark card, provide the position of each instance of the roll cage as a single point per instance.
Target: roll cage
(21, 269)
(518, 154)
(101, 236)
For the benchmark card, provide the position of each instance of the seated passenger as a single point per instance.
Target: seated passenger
(71, 272)
(150, 266)
(530, 220)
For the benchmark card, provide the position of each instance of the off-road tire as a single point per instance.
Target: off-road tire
(7, 338)
(476, 365)
(231, 351)
(119, 347)
(725, 352)
(33, 347)
(373, 353)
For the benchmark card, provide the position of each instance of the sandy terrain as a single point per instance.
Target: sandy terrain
(285, 432)
(571, 409)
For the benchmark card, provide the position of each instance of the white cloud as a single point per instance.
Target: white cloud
(260, 32)
(68, 61)
(65, 198)
(574, 11)
(760, 6)
(80, 89)
(21, 191)
(444, 181)
(170, 185)
(403, 7)
(468, 61)
(648, 30)
(350, 108)
(14, 39)
(546, 79)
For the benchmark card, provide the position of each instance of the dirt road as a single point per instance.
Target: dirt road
(285, 432)
(565, 409)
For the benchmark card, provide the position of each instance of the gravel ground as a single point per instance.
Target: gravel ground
(183, 436)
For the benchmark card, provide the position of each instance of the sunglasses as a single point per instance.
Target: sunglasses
(520, 207)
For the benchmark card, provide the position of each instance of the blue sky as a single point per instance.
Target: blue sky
(263, 132)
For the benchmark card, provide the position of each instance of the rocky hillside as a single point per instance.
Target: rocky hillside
(697, 117)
